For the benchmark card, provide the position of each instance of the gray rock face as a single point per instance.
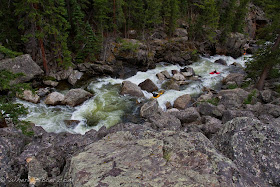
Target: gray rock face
(27, 95)
(155, 159)
(22, 64)
(237, 78)
(54, 98)
(131, 89)
(253, 146)
(182, 102)
(149, 108)
(221, 61)
(76, 97)
(148, 85)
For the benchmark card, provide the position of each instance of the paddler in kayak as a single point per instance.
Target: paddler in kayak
(214, 72)
(157, 95)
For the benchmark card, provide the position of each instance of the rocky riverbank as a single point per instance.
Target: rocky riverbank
(226, 137)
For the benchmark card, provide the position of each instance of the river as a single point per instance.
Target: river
(108, 108)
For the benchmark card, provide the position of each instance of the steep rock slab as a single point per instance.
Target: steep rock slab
(75, 97)
(22, 64)
(252, 145)
(150, 158)
(131, 89)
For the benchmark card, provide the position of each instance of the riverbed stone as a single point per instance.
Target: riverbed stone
(160, 76)
(54, 98)
(221, 61)
(22, 64)
(131, 89)
(152, 158)
(185, 116)
(165, 121)
(208, 109)
(149, 108)
(178, 77)
(234, 77)
(29, 96)
(148, 85)
(50, 83)
(252, 145)
(166, 74)
(182, 102)
(188, 72)
(76, 97)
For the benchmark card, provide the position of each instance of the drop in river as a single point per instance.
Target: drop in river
(108, 107)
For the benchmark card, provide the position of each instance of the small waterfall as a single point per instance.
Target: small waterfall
(107, 107)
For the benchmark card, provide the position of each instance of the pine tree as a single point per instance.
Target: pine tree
(152, 13)
(239, 19)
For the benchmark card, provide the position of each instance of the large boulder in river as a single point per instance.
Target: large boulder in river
(182, 102)
(152, 158)
(221, 61)
(29, 96)
(54, 98)
(131, 89)
(22, 64)
(75, 97)
(253, 146)
(74, 77)
(148, 85)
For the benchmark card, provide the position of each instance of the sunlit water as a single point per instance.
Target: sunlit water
(107, 107)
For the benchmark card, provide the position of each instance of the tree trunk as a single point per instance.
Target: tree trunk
(41, 44)
(268, 67)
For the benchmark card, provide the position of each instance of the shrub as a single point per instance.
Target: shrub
(249, 99)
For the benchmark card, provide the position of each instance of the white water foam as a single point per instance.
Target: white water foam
(51, 118)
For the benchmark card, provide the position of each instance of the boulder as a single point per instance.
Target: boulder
(266, 96)
(55, 98)
(271, 109)
(174, 71)
(29, 96)
(208, 109)
(165, 121)
(185, 116)
(148, 85)
(63, 74)
(36, 173)
(42, 92)
(149, 108)
(234, 77)
(178, 77)
(171, 85)
(149, 158)
(210, 125)
(74, 77)
(76, 97)
(182, 102)
(231, 114)
(166, 74)
(231, 100)
(253, 146)
(22, 64)
(221, 61)
(205, 97)
(160, 76)
(71, 123)
(131, 89)
(50, 83)
(188, 72)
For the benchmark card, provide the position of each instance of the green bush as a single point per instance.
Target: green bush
(249, 99)
(8, 52)
(129, 46)
(213, 101)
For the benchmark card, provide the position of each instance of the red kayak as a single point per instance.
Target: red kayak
(214, 73)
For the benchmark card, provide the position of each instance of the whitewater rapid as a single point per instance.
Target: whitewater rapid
(107, 107)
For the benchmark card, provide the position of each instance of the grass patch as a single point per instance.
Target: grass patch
(232, 86)
(213, 101)
(167, 155)
(249, 99)
(245, 84)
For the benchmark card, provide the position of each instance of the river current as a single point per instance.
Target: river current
(108, 107)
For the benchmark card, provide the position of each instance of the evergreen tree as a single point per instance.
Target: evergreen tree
(239, 19)
(152, 13)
